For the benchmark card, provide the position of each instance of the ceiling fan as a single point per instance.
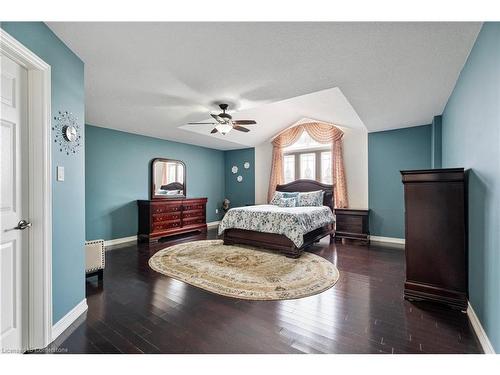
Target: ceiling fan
(225, 122)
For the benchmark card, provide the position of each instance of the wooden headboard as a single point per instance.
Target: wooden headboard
(309, 185)
(173, 186)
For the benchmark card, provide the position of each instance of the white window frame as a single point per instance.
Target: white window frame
(317, 151)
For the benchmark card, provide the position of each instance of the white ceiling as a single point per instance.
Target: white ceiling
(327, 105)
(153, 78)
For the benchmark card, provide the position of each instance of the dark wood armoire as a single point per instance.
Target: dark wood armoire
(436, 236)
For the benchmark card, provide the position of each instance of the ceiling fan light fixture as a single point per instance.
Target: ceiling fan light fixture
(223, 128)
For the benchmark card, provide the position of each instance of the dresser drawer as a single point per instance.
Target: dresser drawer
(349, 224)
(189, 214)
(193, 206)
(158, 227)
(193, 221)
(158, 209)
(167, 216)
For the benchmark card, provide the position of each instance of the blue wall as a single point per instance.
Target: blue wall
(117, 168)
(436, 142)
(68, 197)
(240, 193)
(388, 153)
(471, 139)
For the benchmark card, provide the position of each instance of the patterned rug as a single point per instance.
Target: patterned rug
(245, 272)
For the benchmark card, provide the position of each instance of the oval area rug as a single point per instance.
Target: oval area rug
(245, 272)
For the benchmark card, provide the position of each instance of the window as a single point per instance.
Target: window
(180, 173)
(326, 167)
(289, 168)
(305, 142)
(308, 166)
(175, 172)
(307, 159)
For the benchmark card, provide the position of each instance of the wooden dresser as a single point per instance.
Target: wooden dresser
(352, 224)
(436, 236)
(166, 217)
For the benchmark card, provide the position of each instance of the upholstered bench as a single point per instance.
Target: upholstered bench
(94, 258)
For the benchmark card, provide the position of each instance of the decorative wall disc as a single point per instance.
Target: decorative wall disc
(67, 132)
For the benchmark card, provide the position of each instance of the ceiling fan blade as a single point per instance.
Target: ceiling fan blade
(241, 128)
(214, 130)
(220, 120)
(201, 123)
(244, 122)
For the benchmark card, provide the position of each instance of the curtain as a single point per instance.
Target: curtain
(322, 133)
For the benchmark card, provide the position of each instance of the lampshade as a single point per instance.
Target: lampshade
(223, 128)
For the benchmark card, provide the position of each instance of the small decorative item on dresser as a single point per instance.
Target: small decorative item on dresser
(352, 224)
(94, 258)
(225, 205)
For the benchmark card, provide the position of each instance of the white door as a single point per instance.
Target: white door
(13, 206)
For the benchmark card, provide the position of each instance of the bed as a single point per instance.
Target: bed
(318, 221)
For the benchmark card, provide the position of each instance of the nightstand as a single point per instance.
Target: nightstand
(352, 224)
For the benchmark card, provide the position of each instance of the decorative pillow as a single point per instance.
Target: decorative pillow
(287, 202)
(282, 194)
(311, 198)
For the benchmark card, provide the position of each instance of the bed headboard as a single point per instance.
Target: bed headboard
(173, 186)
(309, 185)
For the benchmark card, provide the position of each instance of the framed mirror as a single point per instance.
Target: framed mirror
(168, 179)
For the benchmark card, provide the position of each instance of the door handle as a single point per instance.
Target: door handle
(23, 224)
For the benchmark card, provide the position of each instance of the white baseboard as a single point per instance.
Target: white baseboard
(118, 241)
(479, 330)
(68, 319)
(400, 241)
(213, 224)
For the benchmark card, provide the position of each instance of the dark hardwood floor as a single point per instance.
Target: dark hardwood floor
(137, 310)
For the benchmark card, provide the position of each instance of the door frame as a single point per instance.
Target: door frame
(39, 276)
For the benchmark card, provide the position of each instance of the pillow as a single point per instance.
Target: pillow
(282, 194)
(287, 202)
(289, 195)
(311, 198)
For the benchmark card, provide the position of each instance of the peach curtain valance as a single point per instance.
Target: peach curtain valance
(322, 133)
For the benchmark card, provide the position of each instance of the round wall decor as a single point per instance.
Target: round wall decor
(67, 132)
(234, 169)
(246, 165)
(239, 178)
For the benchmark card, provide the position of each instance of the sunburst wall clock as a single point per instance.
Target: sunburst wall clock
(67, 132)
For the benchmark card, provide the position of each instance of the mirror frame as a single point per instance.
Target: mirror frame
(152, 182)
